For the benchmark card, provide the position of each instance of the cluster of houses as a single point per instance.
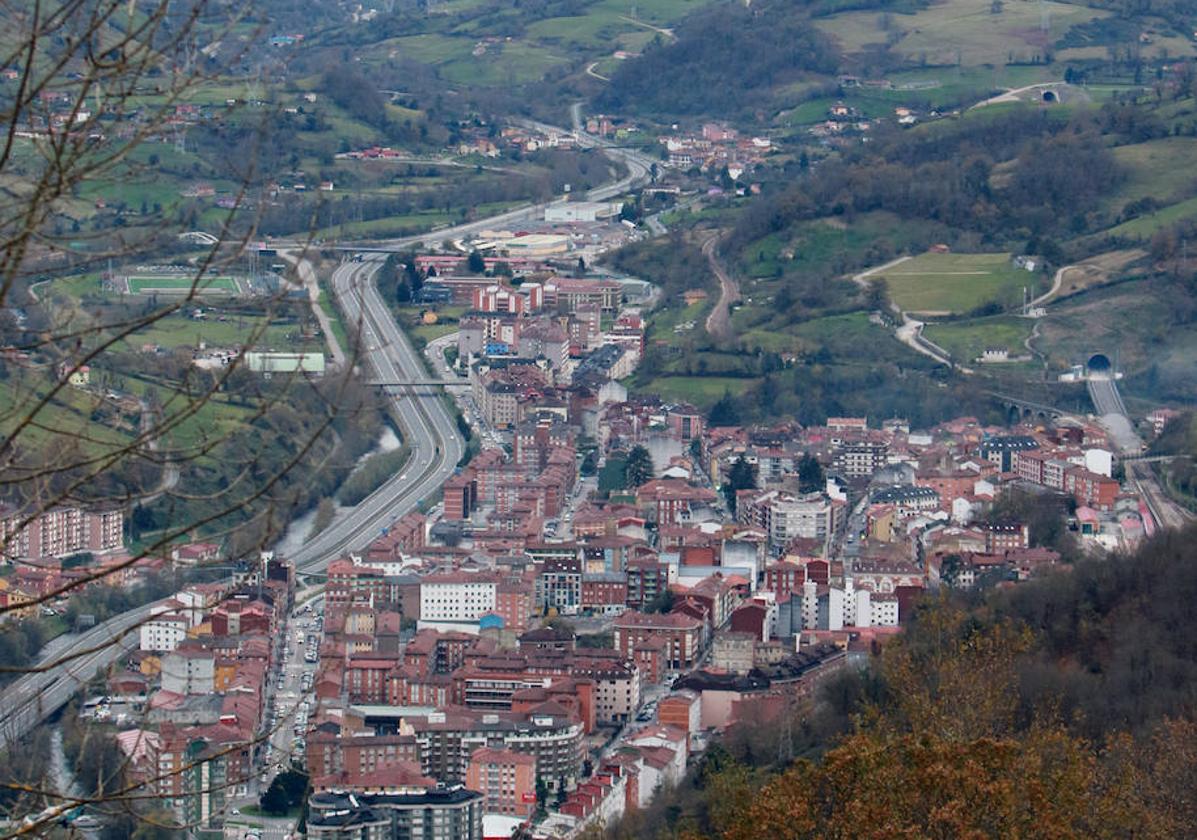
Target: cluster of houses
(529, 654)
(192, 699)
(714, 148)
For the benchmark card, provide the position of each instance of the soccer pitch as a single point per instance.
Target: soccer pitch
(147, 284)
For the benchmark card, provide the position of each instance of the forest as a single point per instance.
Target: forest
(1061, 707)
(1002, 178)
(728, 59)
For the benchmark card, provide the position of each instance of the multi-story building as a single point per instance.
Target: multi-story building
(506, 779)
(163, 633)
(354, 760)
(197, 772)
(671, 501)
(1003, 536)
(456, 597)
(189, 670)
(59, 532)
(907, 498)
(617, 686)
(857, 459)
(646, 579)
(555, 738)
(349, 581)
(1090, 488)
(460, 497)
(782, 578)
(400, 813)
(733, 651)
(683, 635)
(559, 585)
(786, 517)
(605, 591)
(1003, 451)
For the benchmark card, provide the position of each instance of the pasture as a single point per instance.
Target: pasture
(966, 32)
(957, 283)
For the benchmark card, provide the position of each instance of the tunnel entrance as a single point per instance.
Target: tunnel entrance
(1099, 365)
(1050, 96)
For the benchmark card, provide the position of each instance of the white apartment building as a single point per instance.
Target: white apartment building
(808, 517)
(457, 596)
(163, 633)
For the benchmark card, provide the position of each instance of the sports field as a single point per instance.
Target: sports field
(146, 284)
(957, 283)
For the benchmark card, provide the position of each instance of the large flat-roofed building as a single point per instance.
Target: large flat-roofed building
(535, 245)
(269, 363)
(582, 211)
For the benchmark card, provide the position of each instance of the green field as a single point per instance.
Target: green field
(143, 284)
(1158, 169)
(960, 31)
(181, 331)
(702, 391)
(68, 416)
(811, 244)
(664, 321)
(957, 283)
(966, 340)
(1144, 226)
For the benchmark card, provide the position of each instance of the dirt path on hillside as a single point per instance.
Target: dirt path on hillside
(1090, 273)
(307, 276)
(719, 321)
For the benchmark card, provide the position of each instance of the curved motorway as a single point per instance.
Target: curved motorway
(429, 429)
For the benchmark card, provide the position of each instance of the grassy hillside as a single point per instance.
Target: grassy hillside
(966, 32)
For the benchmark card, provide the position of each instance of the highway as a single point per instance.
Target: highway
(36, 696)
(428, 428)
(425, 421)
(1112, 414)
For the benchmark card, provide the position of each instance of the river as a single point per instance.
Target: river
(298, 530)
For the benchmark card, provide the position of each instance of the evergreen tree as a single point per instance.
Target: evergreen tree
(725, 412)
(638, 468)
(475, 263)
(810, 474)
(741, 476)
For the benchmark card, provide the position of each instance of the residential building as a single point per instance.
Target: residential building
(456, 597)
(505, 778)
(683, 635)
(401, 813)
(59, 532)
